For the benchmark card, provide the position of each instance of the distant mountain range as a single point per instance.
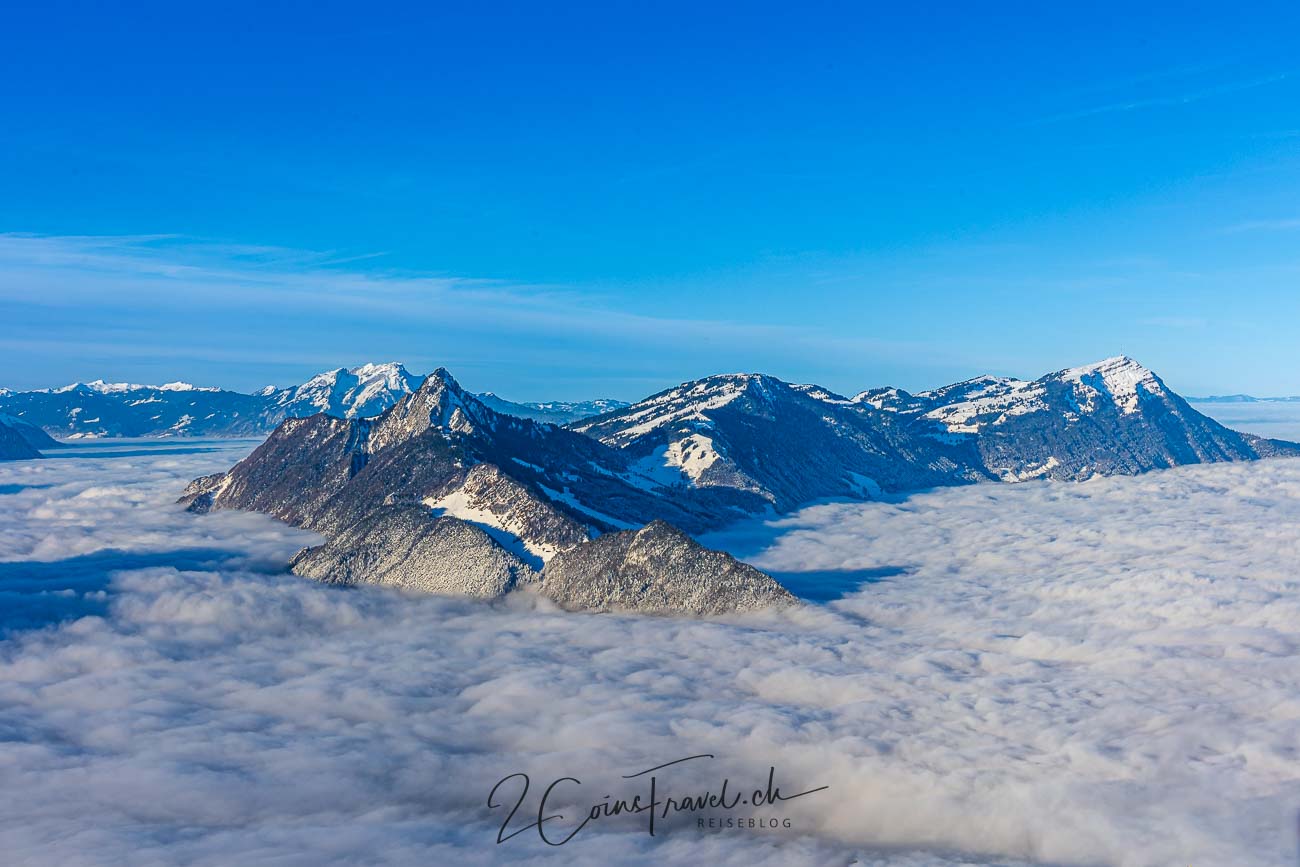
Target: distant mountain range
(417, 483)
(556, 412)
(1242, 398)
(393, 493)
(103, 409)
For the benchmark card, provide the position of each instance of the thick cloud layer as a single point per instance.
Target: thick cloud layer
(1101, 673)
(1279, 420)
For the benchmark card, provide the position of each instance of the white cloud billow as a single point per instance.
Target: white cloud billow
(1102, 673)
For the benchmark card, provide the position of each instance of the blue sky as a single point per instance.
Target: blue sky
(558, 201)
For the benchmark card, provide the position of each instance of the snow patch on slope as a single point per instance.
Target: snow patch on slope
(682, 460)
(999, 398)
(507, 533)
(572, 502)
(686, 403)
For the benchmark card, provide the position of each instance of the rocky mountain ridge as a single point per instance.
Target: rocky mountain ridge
(531, 497)
(1111, 417)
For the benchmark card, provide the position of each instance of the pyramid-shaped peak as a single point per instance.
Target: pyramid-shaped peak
(442, 378)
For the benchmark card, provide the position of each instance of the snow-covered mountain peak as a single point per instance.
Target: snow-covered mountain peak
(393, 373)
(685, 404)
(356, 392)
(986, 385)
(817, 392)
(966, 406)
(1119, 369)
(99, 386)
(887, 398)
(181, 386)
(1120, 377)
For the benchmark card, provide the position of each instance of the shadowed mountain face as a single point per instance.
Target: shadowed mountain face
(707, 452)
(29, 433)
(791, 444)
(786, 444)
(14, 446)
(20, 440)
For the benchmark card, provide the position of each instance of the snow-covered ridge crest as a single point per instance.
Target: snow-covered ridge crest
(110, 409)
(978, 399)
(687, 403)
(362, 391)
(1122, 378)
(970, 406)
(102, 387)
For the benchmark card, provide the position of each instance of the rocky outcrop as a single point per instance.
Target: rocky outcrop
(657, 570)
(407, 548)
(199, 494)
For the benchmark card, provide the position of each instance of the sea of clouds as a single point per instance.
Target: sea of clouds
(1073, 674)
(1277, 420)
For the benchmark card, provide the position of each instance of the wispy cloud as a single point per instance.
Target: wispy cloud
(1166, 101)
(166, 297)
(1275, 225)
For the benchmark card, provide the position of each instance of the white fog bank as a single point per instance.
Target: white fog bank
(1094, 674)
